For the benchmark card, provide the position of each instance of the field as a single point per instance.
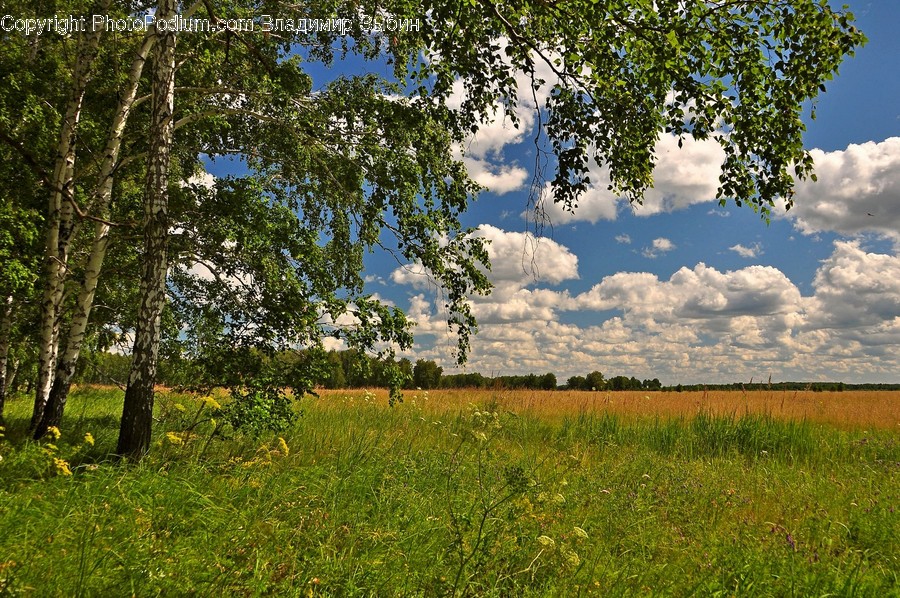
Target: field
(846, 410)
(464, 493)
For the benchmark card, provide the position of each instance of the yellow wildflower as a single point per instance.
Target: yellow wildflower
(180, 407)
(211, 403)
(89, 439)
(62, 467)
(174, 438)
(283, 447)
(53, 432)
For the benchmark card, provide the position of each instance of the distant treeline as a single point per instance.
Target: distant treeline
(350, 369)
(813, 386)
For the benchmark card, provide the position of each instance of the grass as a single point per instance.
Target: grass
(460, 494)
(846, 410)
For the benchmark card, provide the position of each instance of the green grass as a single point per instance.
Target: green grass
(378, 501)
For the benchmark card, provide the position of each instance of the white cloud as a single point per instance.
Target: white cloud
(522, 259)
(594, 205)
(682, 177)
(661, 245)
(858, 190)
(202, 179)
(499, 178)
(700, 324)
(624, 239)
(857, 289)
(414, 275)
(518, 261)
(330, 343)
(482, 154)
(748, 252)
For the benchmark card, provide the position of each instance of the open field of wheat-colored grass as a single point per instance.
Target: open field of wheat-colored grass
(846, 410)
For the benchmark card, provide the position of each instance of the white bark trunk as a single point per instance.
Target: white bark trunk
(137, 412)
(60, 213)
(102, 196)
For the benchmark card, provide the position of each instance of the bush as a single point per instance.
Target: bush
(258, 409)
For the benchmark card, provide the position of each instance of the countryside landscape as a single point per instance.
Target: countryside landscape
(449, 298)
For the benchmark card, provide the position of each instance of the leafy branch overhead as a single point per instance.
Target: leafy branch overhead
(625, 71)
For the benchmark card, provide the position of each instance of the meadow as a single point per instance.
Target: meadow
(492, 493)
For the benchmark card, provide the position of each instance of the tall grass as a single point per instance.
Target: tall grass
(478, 497)
(845, 410)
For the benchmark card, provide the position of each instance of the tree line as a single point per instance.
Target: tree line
(351, 369)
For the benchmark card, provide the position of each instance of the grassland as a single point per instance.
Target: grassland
(462, 493)
(845, 410)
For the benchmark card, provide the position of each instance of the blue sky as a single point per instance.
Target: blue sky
(684, 290)
(681, 289)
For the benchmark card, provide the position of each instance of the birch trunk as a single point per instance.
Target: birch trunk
(60, 222)
(65, 367)
(137, 413)
(6, 313)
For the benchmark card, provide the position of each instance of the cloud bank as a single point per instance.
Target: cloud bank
(698, 325)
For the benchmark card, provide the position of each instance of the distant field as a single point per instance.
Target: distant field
(846, 410)
(462, 494)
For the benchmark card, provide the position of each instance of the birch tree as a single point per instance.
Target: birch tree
(61, 223)
(99, 205)
(137, 413)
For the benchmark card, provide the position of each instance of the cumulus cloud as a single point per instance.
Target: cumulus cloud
(414, 275)
(482, 154)
(496, 177)
(858, 190)
(683, 176)
(700, 324)
(856, 289)
(624, 239)
(595, 204)
(699, 293)
(521, 258)
(202, 179)
(518, 261)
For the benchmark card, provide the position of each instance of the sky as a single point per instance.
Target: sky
(680, 288)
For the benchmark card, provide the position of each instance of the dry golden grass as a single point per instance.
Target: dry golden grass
(849, 409)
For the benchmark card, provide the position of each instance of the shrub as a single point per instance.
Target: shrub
(259, 408)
